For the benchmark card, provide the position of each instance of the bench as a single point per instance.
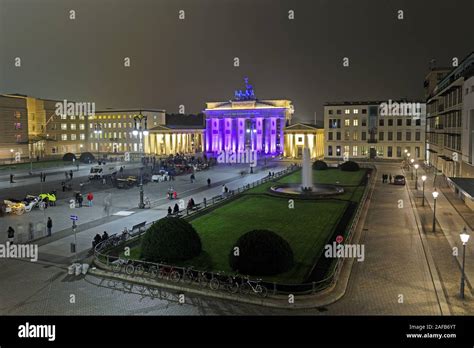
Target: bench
(138, 228)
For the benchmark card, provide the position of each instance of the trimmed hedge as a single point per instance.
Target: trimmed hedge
(86, 157)
(320, 165)
(170, 239)
(68, 157)
(261, 252)
(349, 166)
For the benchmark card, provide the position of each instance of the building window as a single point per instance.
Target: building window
(82, 126)
(17, 114)
(418, 122)
(417, 136)
(408, 122)
(417, 152)
(389, 151)
(356, 111)
(330, 112)
(338, 135)
(355, 122)
(347, 122)
(399, 121)
(364, 122)
(330, 136)
(355, 136)
(63, 117)
(330, 150)
(364, 111)
(63, 136)
(399, 151)
(338, 112)
(390, 136)
(73, 136)
(390, 122)
(338, 150)
(381, 136)
(354, 151)
(73, 126)
(364, 136)
(18, 138)
(347, 111)
(17, 125)
(381, 122)
(346, 150)
(82, 136)
(399, 136)
(347, 135)
(63, 126)
(408, 136)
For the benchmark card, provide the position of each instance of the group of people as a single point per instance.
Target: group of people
(43, 177)
(68, 174)
(387, 178)
(98, 238)
(271, 174)
(172, 194)
(80, 199)
(11, 231)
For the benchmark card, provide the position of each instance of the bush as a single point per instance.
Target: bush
(320, 165)
(349, 166)
(69, 157)
(170, 239)
(261, 252)
(86, 157)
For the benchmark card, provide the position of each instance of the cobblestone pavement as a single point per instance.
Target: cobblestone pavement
(394, 265)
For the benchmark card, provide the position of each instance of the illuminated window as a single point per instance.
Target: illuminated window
(81, 117)
(73, 136)
(17, 125)
(354, 151)
(347, 111)
(347, 122)
(64, 126)
(119, 125)
(82, 136)
(17, 114)
(64, 117)
(355, 122)
(356, 111)
(63, 136)
(82, 126)
(73, 126)
(73, 117)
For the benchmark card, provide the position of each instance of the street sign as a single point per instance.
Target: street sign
(74, 217)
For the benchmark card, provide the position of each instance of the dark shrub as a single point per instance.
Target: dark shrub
(320, 165)
(86, 157)
(69, 157)
(261, 252)
(349, 166)
(170, 239)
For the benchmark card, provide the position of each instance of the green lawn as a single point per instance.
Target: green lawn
(307, 227)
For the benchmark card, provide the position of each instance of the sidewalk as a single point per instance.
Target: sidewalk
(451, 216)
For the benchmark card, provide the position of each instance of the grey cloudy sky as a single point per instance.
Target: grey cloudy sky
(190, 61)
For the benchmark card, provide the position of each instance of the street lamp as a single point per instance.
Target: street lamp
(416, 175)
(138, 129)
(423, 178)
(435, 195)
(464, 239)
(97, 131)
(411, 162)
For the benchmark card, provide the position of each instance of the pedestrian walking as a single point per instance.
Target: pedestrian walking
(11, 234)
(79, 200)
(11, 179)
(70, 174)
(90, 198)
(41, 177)
(49, 225)
(63, 186)
(176, 208)
(208, 182)
(192, 178)
(170, 211)
(44, 177)
(66, 175)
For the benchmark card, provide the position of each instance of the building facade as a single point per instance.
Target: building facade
(247, 123)
(450, 121)
(374, 130)
(301, 135)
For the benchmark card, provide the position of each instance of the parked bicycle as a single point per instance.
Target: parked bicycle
(229, 283)
(253, 286)
(169, 273)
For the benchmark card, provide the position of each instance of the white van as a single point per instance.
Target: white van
(98, 172)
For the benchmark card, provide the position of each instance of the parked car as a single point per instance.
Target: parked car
(399, 180)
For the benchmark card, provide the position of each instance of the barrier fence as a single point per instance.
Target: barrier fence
(217, 281)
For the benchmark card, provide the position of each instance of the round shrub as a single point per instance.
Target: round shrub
(170, 239)
(86, 157)
(261, 252)
(320, 165)
(349, 166)
(69, 157)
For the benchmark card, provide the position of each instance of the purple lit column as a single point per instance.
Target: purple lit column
(273, 121)
(259, 137)
(208, 134)
(241, 134)
(227, 134)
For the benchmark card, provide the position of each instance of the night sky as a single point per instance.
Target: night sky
(190, 61)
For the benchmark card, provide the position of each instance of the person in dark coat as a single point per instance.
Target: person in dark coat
(170, 211)
(208, 182)
(49, 224)
(105, 236)
(11, 234)
(176, 209)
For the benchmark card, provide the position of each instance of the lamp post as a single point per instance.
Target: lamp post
(423, 179)
(416, 175)
(411, 169)
(435, 195)
(97, 131)
(140, 130)
(464, 239)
